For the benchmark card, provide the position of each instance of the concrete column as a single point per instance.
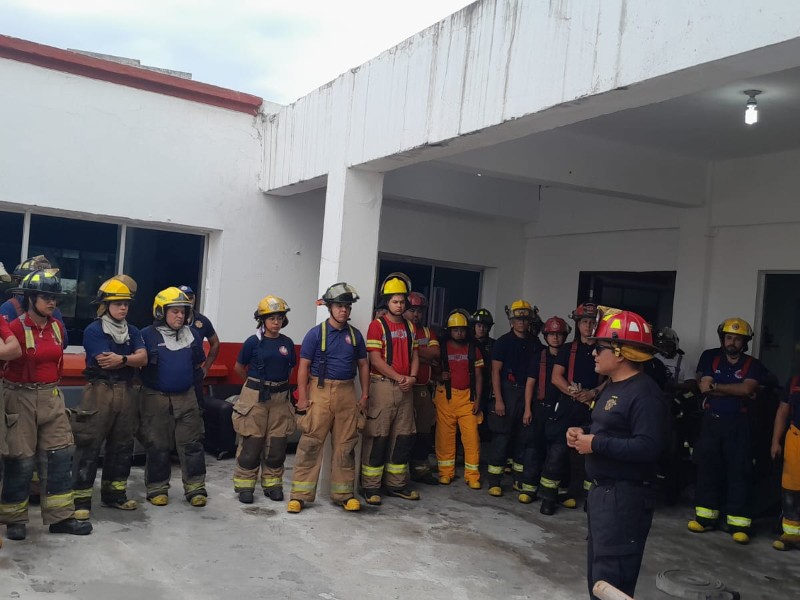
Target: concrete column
(690, 308)
(350, 253)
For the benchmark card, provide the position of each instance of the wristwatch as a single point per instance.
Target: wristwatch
(124, 359)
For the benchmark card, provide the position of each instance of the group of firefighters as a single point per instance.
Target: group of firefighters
(553, 410)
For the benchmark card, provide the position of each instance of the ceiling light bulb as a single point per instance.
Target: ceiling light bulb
(751, 108)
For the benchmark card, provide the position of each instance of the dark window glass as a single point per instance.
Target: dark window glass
(648, 293)
(11, 225)
(85, 252)
(158, 260)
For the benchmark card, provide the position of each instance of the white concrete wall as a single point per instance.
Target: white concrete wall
(88, 148)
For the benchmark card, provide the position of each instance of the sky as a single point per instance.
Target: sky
(277, 50)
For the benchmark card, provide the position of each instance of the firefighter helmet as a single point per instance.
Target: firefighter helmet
(116, 289)
(169, 298)
(396, 283)
(42, 281)
(667, 342)
(272, 305)
(458, 318)
(482, 315)
(586, 310)
(34, 263)
(520, 309)
(417, 299)
(341, 293)
(556, 325)
(629, 332)
(735, 326)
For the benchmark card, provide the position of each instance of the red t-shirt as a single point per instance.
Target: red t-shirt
(377, 343)
(42, 365)
(5, 332)
(458, 361)
(425, 338)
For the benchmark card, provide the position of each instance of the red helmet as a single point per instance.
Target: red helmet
(626, 328)
(417, 299)
(587, 310)
(556, 325)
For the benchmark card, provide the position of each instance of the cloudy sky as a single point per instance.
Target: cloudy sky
(277, 50)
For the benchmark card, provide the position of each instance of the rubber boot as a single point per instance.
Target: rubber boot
(16, 531)
(160, 500)
(274, 494)
(404, 493)
(246, 497)
(198, 501)
(351, 505)
(295, 506)
(72, 526)
(548, 507)
(371, 497)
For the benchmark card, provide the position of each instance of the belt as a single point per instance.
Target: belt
(13, 385)
(272, 386)
(382, 378)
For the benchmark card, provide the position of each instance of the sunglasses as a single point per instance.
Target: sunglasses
(598, 348)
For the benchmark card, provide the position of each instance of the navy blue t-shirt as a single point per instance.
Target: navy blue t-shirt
(272, 358)
(9, 312)
(96, 342)
(551, 392)
(202, 325)
(584, 364)
(167, 370)
(340, 354)
(515, 353)
(725, 372)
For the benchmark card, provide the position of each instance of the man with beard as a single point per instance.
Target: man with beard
(727, 377)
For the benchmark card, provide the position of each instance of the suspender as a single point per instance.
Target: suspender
(30, 343)
(745, 367)
(323, 346)
(445, 359)
(387, 340)
(542, 375)
(573, 351)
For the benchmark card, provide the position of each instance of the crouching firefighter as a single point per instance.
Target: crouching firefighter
(38, 425)
(168, 409)
(388, 435)
(107, 413)
(331, 354)
(263, 416)
(457, 400)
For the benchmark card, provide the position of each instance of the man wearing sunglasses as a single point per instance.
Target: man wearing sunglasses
(622, 446)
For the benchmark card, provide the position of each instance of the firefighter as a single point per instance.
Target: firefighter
(510, 357)
(168, 406)
(575, 377)
(203, 326)
(457, 400)
(788, 416)
(541, 459)
(388, 436)
(727, 378)
(107, 412)
(9, 350)
(263, 416)
(424, 409)
(482, 322)
(330, 356)
(622, 445)
(35, 412)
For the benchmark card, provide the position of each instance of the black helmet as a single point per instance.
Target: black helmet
(482, 315)
(667, 342)
(341, 292)
(40, 282)
(34, 263)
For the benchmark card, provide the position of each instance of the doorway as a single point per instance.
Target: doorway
(780, 324)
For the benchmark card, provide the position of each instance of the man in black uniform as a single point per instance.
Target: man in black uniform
(622, 447)
(202, 325)
(482, 322)
(510, 357)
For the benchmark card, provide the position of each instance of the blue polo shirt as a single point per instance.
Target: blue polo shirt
(9, 312)
(270, 358)
(202, 325)
(340, 354)
(725, 372)
(170, 371)
(96, 342)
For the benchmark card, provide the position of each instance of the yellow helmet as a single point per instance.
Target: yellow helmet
(458, 318)
(519, 309)
(396, 283)
(169, 298)
(119, 287)
(272, 305)
(735, 326)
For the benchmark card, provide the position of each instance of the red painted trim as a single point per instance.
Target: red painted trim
(66, 61)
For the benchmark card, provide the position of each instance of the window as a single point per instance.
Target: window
(11, 224)
(648, 293)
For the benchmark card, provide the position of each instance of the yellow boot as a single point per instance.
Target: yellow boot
(294, 506)
(697, 527)
(160, 500)
(444, 480)
(198, 501)
(495, 490)
(474, 485)
(351, 505)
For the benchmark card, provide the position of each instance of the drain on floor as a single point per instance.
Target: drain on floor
(691, 585)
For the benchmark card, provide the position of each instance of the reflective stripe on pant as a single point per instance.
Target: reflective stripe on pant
(37, 427)
(505, 432)
(790, 482)
(723, 457)
(388, 436)
(107, 413)
(555, 469)
(424, 420)
(164, 418)
(619, 519)
(456, 412)
(264, 429)
(334, 411)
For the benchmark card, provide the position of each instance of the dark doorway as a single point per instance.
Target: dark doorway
(780, 324)
(649, 293)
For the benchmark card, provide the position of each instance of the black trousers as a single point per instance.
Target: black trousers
(535, 445)
(619, 514)
(506, 433)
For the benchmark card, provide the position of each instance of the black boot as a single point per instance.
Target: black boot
(548, 507)
(246, 497)
(16, 531)
(274, 494)
(72, 526)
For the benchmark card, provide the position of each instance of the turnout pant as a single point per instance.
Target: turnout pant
(555, 472)
(38, 428)
(536, 448)
(452, 414)
(168, 417)
(388, 436)
(264, 429)
(334, 411)
(424, 419)
(107, 413)
(724, 470)
(790, 482)
(619, 514)
(506, 431)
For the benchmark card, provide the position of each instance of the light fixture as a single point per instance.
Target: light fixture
(751, 108)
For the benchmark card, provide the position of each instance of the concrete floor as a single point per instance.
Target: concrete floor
(454, 543)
